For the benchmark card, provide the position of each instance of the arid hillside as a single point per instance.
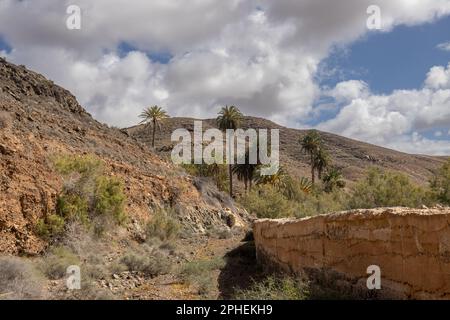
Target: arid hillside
(352, 156)
(40, 120)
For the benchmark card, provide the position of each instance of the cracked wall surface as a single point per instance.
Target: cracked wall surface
(411, 246)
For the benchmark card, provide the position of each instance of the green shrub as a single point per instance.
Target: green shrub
(267, 202)
(162, 226)
(440, 184)
(73, 207)
(386, 189)
(87, 194)
(109, 198)
(52, 226)
(320, 202)
(274, 288)
(84, 165)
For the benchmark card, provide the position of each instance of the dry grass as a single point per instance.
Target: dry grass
(19, 280)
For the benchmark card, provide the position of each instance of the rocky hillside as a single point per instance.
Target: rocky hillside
(352, 156)
(39, 120)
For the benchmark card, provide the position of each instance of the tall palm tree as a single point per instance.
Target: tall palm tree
(311, 144)
(332, 179)
(321, 161)
(153, 116)
(229, 118)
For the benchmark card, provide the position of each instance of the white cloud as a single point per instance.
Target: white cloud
(445, 46)
(395, 120)
(258, 54)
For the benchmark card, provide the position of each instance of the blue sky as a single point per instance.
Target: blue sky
(399, 59)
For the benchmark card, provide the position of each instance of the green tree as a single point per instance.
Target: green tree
(333, 179)
(311, 144)
(153, 116)
(229, 118)
(321, 161)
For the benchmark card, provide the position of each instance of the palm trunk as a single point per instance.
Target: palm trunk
(250, 184)
(153, 135)
(245, 185)
(313, 178)
(230, 173)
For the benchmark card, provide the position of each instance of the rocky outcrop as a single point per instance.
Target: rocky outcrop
(411, 247)
(40, 120)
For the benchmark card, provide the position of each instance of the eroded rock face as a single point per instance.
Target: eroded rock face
(411, 247)
(40, 120)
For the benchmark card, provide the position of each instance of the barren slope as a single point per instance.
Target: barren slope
(39, 120)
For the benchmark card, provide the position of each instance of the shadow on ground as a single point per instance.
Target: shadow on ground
(240, 271)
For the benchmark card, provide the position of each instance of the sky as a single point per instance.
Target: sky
(301, 63)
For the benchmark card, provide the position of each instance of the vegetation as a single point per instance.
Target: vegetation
(88, 196)
(153, 116)
(163, 226)
(19, 280)
(199, 273)
(229, 118)
(311, 144)
(217, 172)
(246, 172)
(55, 263)
(385, 189)
(440, 184)
(150, 262)
(275, 288)
(333, 179)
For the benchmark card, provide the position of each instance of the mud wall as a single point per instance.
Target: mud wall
(411, 247)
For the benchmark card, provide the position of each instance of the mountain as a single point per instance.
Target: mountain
(40, 120)
(353, 157)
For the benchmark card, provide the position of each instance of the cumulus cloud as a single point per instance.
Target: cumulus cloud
(396, 120)
(258, 54)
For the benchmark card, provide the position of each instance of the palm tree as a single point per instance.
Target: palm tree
(332, 179)
(279, 180)
(321, 161)
(311, 144)
(245, 172)
(229, 118)
(153, 116)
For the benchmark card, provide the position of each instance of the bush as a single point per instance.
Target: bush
(440, 184)
(73, 207)
(109, 198)
(85, 165)
(87, 194)
(387, 189)
(162, 226)
(151, 263)
(273, 288)
(321, 202)
(19, 280)
(267, 202)
(52, 226)
(55, 263)
(199, 273)
(217, 172)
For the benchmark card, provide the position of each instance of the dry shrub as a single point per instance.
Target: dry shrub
(19, 280)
